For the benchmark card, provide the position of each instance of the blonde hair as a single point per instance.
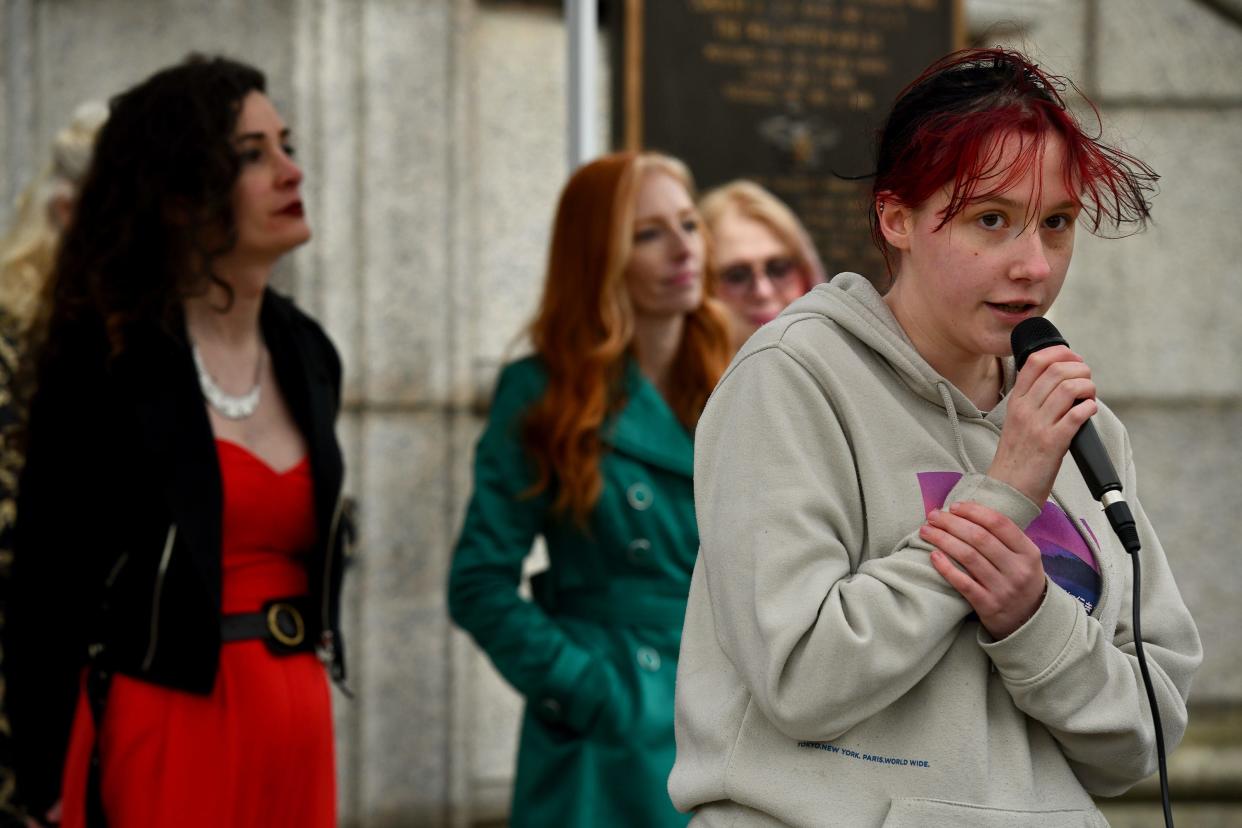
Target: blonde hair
(28, 250)
(749, 200)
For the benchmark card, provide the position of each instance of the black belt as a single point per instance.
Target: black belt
(281, 625)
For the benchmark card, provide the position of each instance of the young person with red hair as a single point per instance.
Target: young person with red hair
(907, 609)
(589, 444)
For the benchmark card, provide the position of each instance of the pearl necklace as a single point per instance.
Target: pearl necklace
(227, 405)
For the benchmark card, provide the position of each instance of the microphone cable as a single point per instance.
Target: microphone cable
(1131, 544)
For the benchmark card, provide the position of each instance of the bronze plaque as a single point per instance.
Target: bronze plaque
(788, 93)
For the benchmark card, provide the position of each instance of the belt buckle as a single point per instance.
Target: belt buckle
(282, 612)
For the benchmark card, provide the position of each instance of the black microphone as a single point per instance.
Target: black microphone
(1088, 451)
(1028, 337)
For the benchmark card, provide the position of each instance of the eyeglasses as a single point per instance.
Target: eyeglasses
(742, 276)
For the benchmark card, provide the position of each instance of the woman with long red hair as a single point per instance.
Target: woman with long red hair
(589, 444)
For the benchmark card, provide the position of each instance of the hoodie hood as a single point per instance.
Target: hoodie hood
(851, 301)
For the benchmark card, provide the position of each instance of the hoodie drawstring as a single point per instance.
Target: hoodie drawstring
(949, 408)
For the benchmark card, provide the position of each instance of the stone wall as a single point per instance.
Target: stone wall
(432, 134)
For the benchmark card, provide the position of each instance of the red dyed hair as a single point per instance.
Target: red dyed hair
(584, 329)
(944, 129)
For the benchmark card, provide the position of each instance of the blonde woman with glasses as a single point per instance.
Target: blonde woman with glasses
(762, 255)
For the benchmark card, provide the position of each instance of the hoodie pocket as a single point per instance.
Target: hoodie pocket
(920, 813)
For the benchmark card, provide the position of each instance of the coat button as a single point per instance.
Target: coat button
(640, 496)
(648, 659)
(639, 552)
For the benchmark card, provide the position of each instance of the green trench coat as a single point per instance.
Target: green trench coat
(595, 653)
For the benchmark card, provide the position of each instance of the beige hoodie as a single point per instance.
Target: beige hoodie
(828, 674)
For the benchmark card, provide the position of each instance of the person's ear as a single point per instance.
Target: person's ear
(896, 222)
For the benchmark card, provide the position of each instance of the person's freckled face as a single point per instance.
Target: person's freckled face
(267, 203)
(745, 247)
(965, 287)
(664, 274)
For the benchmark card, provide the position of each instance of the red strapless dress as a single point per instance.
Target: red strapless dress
(256, 752)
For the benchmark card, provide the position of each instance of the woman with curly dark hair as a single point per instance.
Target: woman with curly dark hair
(178, 541)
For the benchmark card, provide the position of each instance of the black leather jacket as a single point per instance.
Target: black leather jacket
(117, 552)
